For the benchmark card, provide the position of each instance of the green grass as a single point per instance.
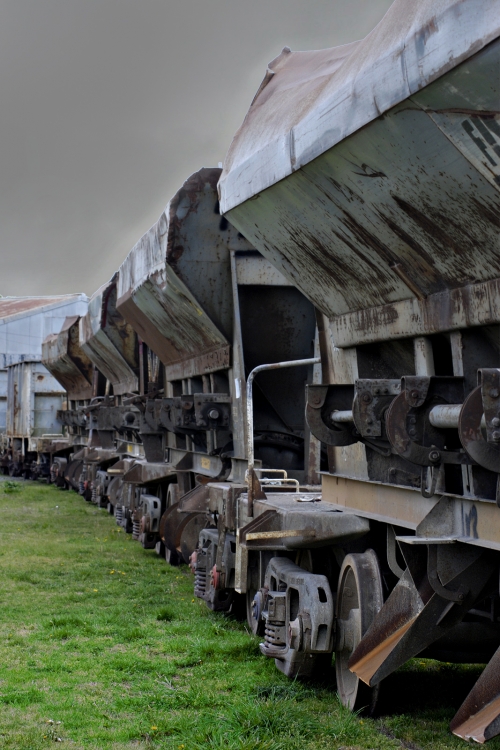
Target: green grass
(103, 646)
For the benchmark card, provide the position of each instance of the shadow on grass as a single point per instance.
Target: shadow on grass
(439, 687)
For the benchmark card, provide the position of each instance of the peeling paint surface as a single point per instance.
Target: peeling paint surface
(390, 224)
(310, 101)
(174, 287)
(109, 341)
(67, 362)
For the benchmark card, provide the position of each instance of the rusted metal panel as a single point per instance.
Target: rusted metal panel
(67, 362)
(469, 521)
(256, 270)
(478, 717)
(175, 284)
(397, 505)
(109, 341)
(310, 101)
(472, 305)
(220, 359)
(393, 231)
(392, 213)
(142, 473)
(33, 398)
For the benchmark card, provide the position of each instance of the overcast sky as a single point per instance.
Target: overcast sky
(108, 105)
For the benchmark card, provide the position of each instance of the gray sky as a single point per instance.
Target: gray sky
(108, 105)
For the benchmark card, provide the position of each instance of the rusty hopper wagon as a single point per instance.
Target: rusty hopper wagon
(212, 309)
(113, 442)
(369, 175)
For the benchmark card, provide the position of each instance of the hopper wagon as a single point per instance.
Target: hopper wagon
(113, 442)
(211, 308)
(368, 175)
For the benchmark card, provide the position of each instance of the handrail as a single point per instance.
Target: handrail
(249, 415)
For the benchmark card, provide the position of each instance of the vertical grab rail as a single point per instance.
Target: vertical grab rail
(250, 475)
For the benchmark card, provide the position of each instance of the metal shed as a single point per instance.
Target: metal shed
(24, 323)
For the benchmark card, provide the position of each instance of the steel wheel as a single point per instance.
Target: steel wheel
(359, 598)
(253, 610)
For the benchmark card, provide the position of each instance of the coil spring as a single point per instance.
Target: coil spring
(94, 494)
(136, 529)
(81, 483)
(53, 474)
(274, 634)
(200, 582)
(118, 514)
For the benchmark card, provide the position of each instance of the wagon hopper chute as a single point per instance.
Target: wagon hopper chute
(64, 358)
(369, 176)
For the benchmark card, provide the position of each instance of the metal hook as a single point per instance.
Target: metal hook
(429, 491)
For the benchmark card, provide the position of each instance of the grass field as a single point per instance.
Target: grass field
(103, 646)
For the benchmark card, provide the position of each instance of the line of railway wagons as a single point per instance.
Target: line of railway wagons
(292, 382)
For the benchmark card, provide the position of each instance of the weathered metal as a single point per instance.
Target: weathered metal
(379, 249)
(365, 180)
(297, 610)
(180, 530)
(34, 397)
(369, 176)
(175, 287)
(415, 615)
(215, 589)
(486, 453)
(450, 310)
(460, 518)
(445, 417)
(409, 427)
(285, 522)
(490, 393)
(359, 599)
(68, 363)
(310, 101)
(32, 432)
(109, 341)
(478, 717)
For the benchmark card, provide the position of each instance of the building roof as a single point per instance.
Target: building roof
(14, 307)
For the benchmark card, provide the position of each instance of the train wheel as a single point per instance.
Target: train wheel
(254, 609)
(359, 598)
